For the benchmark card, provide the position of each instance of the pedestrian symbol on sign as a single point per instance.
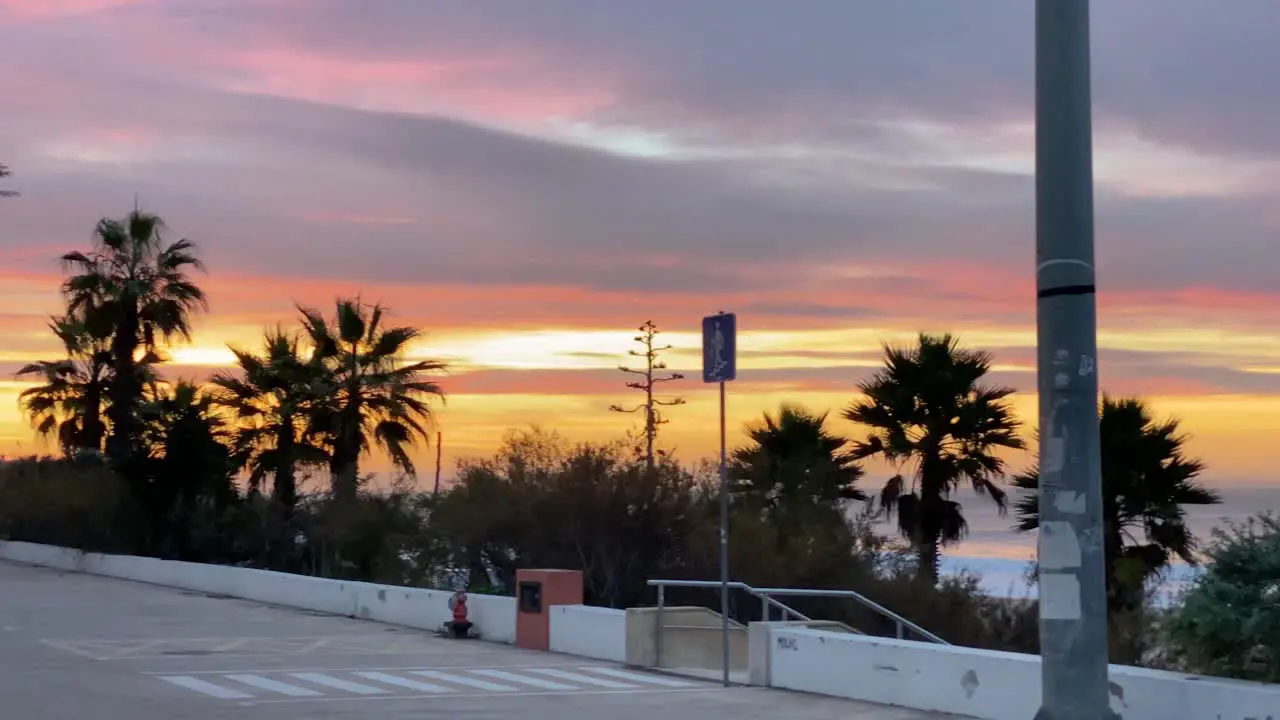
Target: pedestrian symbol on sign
(719, 348)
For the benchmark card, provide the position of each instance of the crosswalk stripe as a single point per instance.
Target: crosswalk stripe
(396, 680)
(337, 684)
(263, 683)
(312, 684)
(580, 678)
(523, 680)
(463, 680)
(208, 688)
(637, 677)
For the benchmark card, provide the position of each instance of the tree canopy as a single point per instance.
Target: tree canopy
(1147, 481)
(929, 413)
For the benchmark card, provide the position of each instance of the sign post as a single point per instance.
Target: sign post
(720, 365)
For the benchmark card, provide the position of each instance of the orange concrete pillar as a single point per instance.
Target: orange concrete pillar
(536, 592)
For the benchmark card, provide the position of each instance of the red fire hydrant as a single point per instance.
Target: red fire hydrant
(458, 604)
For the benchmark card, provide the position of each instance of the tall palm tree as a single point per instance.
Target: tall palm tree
(928, 411)
(68, 404)
(1147, 479)
(135, 286)
(271, 398)
(377, 399)
(793, 458)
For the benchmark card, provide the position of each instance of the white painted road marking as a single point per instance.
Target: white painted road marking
(583, 679)
(338, 684)
(524, 680)
(207, 688)
(396, 680)
(463, 680)
(638, 677)
(263, 683)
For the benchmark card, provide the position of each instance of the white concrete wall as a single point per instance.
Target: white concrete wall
(494, 617)
(587, 631)
(691, 639)
(982, 683)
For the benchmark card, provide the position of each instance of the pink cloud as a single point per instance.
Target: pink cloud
(48, 9)
(497, 86)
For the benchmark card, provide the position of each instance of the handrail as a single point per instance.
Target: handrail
(769, 602)
(767, 595)
(864, 601)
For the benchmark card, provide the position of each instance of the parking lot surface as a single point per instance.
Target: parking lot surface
(77, 646)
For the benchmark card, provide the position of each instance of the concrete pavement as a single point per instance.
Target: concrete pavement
(78, 646)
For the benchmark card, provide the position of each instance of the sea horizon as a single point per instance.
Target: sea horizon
(1002, 557)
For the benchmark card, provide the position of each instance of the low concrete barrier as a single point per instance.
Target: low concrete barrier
(691, 639)
(587, 631)
(981, 683)
(494, 616)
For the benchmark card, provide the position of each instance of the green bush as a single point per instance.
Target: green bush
(72, 503)
(1229, 622)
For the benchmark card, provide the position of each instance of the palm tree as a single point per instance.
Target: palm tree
(793, 458)
(271, 399)
(1146, 481)
(68, 405)
(377, 399)
(928, 411)
(167, 405)
(134, 286)
(188, 468)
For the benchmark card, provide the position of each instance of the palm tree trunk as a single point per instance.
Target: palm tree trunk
(928, 558)
(348, 480)
(285, 488)
(344, 470)
(930, 519)
(92, 428)
(1118, 597)
(126, 388)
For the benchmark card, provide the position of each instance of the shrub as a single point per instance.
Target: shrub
(72, 503)
(1229, 622)
(542, 503)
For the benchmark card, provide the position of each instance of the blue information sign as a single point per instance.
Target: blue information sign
(719, 348)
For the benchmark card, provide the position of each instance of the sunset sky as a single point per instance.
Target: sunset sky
(530, 180)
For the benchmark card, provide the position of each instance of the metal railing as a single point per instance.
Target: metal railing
(768, 599)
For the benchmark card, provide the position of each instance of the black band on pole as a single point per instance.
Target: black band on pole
(1067, 290)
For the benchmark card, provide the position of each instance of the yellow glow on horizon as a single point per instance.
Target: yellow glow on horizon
(201, 356)
(567, 349)
(1232, 432)
(528, 350)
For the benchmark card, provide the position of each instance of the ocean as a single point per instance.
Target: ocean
(1003, 557)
